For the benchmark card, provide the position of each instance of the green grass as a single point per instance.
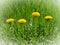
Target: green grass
(45, 30)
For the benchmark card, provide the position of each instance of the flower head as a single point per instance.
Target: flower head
(48, 17)
(10, 20)
(22, 21)
(36, 14)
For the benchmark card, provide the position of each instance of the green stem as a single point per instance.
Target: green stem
(22, 30)
(35, 24)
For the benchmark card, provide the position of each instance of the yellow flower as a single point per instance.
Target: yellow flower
(22, 21)
(36, 14)
(48, 17)
(10, 20)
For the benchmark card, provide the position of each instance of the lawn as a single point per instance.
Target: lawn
(29, 21)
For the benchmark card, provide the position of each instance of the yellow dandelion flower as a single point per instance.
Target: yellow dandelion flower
(10, 20)
(22, 21)
(48, 17)
(36, 14)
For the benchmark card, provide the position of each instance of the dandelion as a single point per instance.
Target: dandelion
(36, 14)
(22, 21)
(48, 17)
(10, 20)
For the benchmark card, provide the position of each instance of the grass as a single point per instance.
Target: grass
(36, 29)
